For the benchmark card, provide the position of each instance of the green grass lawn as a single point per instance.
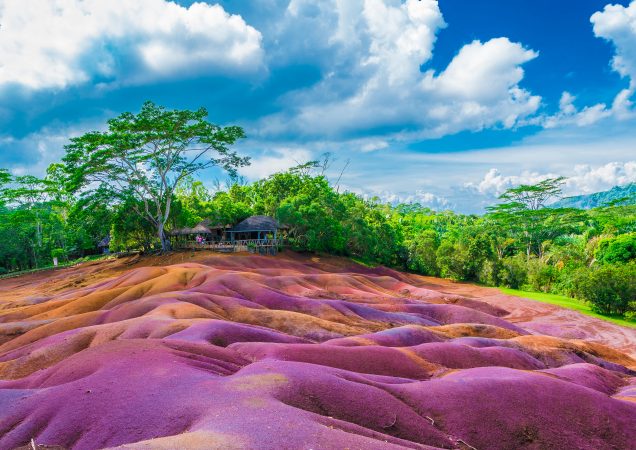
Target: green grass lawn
(569, 303)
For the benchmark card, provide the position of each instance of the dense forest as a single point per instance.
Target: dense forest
(138, 180)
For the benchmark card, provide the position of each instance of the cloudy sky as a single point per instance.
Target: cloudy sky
(445, 103)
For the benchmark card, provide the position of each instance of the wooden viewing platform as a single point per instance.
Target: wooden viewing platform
(256, 234)
(263, 246)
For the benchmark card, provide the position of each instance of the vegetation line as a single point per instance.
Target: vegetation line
(145, 176)
(567, 303)
(52, 267)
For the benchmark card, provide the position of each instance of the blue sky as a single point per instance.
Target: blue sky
(446, 103)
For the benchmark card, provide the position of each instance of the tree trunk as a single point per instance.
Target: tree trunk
(35, 257)
(165, 242)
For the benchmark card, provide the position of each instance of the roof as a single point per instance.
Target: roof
(207, 223)
(203, 227)
(258, 223)
(200, 228)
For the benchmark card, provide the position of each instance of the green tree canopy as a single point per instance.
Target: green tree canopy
(619, 249)
(145, 156)
(523, 214)
(533, 196)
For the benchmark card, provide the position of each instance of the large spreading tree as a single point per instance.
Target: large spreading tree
(533, 197)
(523, 212)
(145, 156)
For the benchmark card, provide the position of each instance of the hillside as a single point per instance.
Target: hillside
(597, 199)
(293, 351)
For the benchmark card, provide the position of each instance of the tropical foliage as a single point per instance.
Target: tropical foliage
(520, 243)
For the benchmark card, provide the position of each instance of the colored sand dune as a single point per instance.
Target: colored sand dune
(294, 352)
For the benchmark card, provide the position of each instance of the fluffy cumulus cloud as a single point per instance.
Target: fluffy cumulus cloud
(278, 160)
(494, 183)
(32, 153)
(588, 179)
(480, 87)
(58, 43)
(583, 179)
(616, 24)
(382, 86)
(421, 197)
(569, 114)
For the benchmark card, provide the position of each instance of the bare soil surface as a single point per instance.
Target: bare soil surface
(541, 318)
(534, 316)
(210, 351)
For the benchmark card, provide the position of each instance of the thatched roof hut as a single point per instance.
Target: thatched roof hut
(203, 227)
(256, 227)
(257, 223)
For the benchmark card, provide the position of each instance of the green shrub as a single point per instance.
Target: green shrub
(620, 249)
(58, 253)
(453, 261)
(421, 253)
(514, 271)
(609, 289)
(541, 276)
(567, 279)
(489, 273)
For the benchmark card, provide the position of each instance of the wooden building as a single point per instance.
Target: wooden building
(256, 234)
(205, 231)
(256, 227)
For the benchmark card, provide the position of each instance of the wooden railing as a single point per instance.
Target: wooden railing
(239, 245)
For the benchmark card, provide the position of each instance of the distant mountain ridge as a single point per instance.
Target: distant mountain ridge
(599, 198)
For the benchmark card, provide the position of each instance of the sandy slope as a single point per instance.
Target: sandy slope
(239, 351)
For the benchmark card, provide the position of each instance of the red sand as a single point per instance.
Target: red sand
(231, 351)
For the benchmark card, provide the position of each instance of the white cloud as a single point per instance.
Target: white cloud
(566, 103)
(480, 87)
(617, 24)
(274, 161)
(622, 105)
(381, 84)
(401, 38)
(429, 199)
(495, 183)
(57, 43)
(483, 72)
(421, 197)
(581, 179)
(569, 114)
(373, 145)
(587, 179)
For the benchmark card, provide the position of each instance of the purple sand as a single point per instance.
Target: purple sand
(257, 352)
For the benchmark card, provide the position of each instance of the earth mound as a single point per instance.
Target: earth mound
(296, 352)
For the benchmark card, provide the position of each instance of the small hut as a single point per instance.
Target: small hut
(256, 228)
(204, 229)
(262, 234)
